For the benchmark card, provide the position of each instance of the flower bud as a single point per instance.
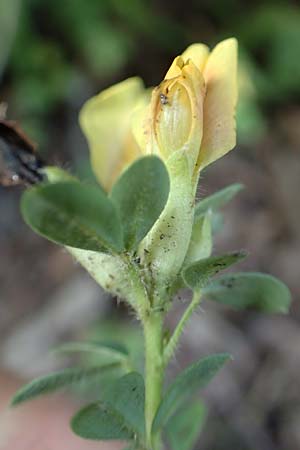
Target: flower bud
(193, 109)
(176, 113)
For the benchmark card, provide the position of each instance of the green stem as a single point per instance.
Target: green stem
(172, 344)
(154, 372)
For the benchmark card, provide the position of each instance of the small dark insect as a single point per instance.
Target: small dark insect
(163, 99)
(19, 163)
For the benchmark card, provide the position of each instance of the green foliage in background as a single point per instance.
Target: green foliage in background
(59, 45)
(56, 51)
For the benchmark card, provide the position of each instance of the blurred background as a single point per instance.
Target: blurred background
(53, 56)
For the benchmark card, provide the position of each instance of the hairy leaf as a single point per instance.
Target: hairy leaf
(250, 290)
(194, 377)
(184, 427)
(140, 195)
(127, 397)
(201, 239)
(73, 214)
(119, 416)
(100, 421)
(197, 275)
(108, 351)
(53, 382)
(217, 199)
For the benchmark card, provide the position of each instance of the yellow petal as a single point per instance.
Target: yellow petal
(198, 53)
(105, 121)
(140, 122)
(220, 75)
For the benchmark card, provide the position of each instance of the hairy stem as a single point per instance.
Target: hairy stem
(172, 344)
(154, 373)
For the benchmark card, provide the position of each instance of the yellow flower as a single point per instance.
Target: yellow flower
(189, 123)
(193, 109)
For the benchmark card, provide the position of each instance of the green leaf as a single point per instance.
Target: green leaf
(110, 352)
(73, 214)
(217, 199)
(127, 396)
(194, 377)
(54, 382)
(100, 421)
(140, 195)
(201, 239)
(119, 416)
(183, 428)
(250, 290)
(197, 275)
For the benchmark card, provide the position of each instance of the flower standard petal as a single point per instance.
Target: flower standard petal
(140, 122)
(220, 75)
(105, 121)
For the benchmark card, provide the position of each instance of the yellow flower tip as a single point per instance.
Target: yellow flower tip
(198, 53)
(105, 121)
(175, 68)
